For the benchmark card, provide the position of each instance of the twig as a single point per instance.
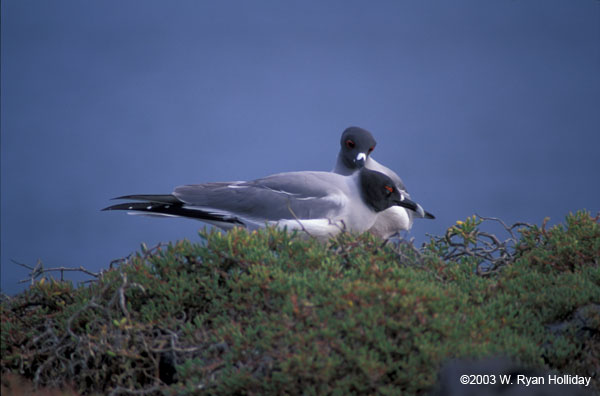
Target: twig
(297, 219)
(491, 250)
(122, 296)
(39, 269)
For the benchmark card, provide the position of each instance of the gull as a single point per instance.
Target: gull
(356, 146)
(320, 203)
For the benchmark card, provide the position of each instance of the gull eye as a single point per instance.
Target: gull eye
(390, 189)
(371, 149)
(350, 144)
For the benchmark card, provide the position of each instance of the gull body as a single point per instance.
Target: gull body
(320, 203)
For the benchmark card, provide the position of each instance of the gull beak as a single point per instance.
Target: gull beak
(360, 160)
(408, 204)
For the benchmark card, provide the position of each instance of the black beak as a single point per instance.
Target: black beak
(408, 204)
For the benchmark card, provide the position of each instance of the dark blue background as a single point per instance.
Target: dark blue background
(482, 107)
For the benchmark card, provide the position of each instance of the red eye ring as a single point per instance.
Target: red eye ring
(350, 144)
(390, 189)
(371, 149)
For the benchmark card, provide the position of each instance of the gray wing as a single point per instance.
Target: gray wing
(302, 195)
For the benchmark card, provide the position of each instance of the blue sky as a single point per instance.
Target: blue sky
(482, 107)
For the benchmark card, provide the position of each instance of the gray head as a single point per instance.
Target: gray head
(379, 192)
(356, 145)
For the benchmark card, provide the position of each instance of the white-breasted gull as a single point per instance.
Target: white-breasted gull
(320, 203)
(356, 146)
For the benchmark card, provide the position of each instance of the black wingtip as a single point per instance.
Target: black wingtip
(134, 197)
(158, 198)
(169, 209)
(123, 197)
(121, 206)
(429, 216)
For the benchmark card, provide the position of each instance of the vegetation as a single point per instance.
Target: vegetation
(270, 312)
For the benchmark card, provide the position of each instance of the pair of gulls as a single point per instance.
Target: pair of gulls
(358, 195)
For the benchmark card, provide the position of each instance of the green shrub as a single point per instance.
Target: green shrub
(269, 312)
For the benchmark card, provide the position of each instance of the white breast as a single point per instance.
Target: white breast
(391, 221)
